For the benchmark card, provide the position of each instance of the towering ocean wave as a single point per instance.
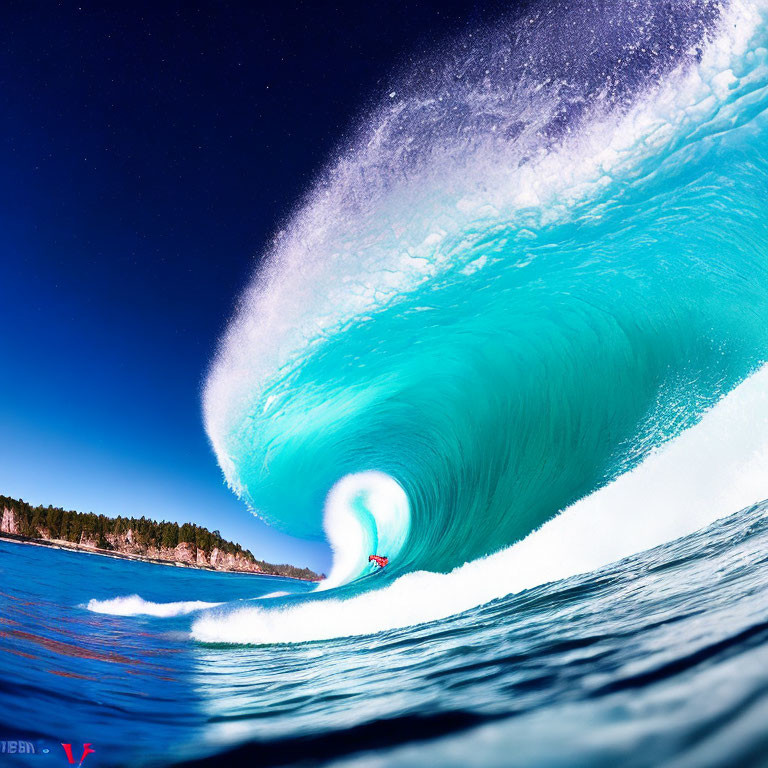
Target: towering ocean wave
(542, 258)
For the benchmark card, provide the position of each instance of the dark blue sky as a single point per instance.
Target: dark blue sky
(147, 154)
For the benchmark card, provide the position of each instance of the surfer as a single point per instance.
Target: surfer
(378, 559)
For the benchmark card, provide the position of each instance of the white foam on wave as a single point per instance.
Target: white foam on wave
(134, 605)
(713, 469)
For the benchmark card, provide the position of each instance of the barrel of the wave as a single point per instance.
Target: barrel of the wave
(365, 512)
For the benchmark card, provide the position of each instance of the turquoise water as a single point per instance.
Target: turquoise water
(514, 338)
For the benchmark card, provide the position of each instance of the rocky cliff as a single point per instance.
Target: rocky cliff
(128, 544)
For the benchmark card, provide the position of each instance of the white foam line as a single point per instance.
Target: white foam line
(134, 605)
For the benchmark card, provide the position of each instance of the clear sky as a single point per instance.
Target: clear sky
(147, 154)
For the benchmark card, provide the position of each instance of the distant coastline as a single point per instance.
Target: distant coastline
(129, 538)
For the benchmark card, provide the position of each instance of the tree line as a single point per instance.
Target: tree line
(68, 525)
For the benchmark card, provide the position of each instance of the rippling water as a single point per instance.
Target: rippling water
(659, 659)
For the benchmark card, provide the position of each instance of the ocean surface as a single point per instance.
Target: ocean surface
(514, 337)
(661, 659)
